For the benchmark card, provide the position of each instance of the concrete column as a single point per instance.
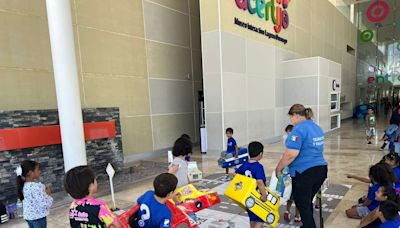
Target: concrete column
(67, 84)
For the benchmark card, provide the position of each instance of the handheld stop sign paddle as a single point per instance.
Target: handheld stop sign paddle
(111, 172)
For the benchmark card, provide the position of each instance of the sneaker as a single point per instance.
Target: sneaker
(226, 178)
(369, 142)
(297, 219)
(317, 207)
(286, 216)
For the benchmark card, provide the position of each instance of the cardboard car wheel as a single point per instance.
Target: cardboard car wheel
(199, 205)
(270, 218)
(250, 202)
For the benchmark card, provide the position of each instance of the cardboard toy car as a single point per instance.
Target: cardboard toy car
(179, 218)
(194, 174)
(228, 161)
(243, 191)
(194, 200)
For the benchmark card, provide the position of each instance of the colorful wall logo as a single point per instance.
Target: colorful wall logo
(274, 9)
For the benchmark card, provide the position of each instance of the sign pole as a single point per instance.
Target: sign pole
(111, 172)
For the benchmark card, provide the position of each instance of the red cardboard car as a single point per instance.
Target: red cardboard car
(179, 218)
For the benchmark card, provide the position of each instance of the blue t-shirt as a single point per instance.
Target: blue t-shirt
(253, 170)
(152, 213)
(231, 145)
(308, 138)
(371, 196)
(390, 224)
(396, 171)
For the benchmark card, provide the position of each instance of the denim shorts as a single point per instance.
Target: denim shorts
(363, 211)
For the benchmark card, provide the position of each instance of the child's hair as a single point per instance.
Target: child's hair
(182, 147)
(370, 109)
(382, 174)
(164, 184)
(390, 210)
(78, 180)
(185, 136)
(26, 167)
(299, 109)
(289, 128)
(390, 193)
(392, 157)
(229, 130)
(255, 148)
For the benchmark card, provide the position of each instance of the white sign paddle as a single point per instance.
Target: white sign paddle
(111, 172)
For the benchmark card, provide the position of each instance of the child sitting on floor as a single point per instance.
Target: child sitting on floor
(389, 214)
(86, 211)
(379, 175)
(384, 193)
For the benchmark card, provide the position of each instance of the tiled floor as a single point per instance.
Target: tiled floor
(346, 151)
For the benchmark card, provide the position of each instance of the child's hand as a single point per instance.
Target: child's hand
(349, 176)
(263, 198)
(48, 190)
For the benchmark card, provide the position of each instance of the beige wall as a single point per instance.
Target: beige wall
(132, 54)
(244, 69)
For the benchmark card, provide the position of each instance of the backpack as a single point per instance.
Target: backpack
(3, 214)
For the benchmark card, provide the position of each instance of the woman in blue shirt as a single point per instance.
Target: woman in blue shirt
(304, 156)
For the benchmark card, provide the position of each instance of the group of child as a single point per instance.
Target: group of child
(380, 207)
(86, 211)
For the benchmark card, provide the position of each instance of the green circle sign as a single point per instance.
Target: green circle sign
(398, 46)
(367, 35)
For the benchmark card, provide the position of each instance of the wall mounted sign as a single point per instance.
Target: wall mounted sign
(335, 85)
(27, 137)
(276, 10)
(366, 35)
(398, 46)
(377, 11)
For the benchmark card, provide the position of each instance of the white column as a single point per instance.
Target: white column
(67, 84)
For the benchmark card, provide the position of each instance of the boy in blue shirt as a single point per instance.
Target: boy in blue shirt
(254, 169)
(231, 147)
(389, 214)
(153, 212)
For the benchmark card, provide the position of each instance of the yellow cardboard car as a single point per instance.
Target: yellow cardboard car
(243, 190)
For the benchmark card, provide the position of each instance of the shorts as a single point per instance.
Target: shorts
(362, 211)
(253, 217)
(371, 132)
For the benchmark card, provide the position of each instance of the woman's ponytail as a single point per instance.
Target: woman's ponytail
(309, 113)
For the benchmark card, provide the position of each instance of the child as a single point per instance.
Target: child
(179, 166)
(392, 159)
(384, 193)
(289, 204)
(34, 196)
(232, 149)
(389, 213)
(153, 211)
(370, 123)
(254, 169)
(85, 211)
(379, 174)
